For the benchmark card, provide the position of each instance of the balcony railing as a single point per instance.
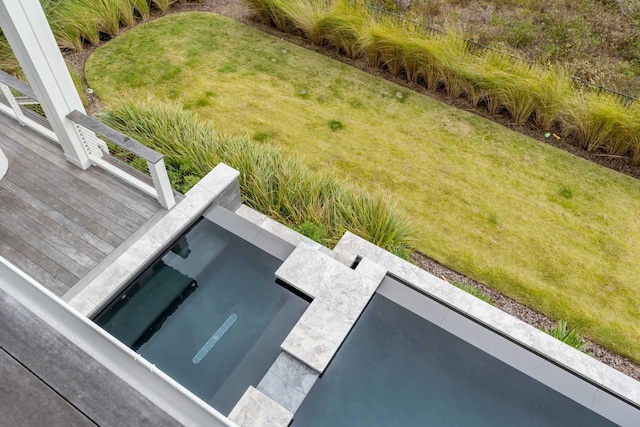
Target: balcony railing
(88, 127)
(96, 149)
(11, 105)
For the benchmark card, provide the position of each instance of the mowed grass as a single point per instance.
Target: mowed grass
(551, 230)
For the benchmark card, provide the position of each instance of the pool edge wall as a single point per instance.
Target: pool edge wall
(619, 392)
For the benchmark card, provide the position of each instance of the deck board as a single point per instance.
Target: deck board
(95, 212)
(50, 230)
(58, 371)
(57, 222)
(35, 270)
(21, 391)
(54, 253)
(28, 255)
(65, 183)
(93, 177)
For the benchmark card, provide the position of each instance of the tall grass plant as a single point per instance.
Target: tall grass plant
(277, 185)
(544, 96)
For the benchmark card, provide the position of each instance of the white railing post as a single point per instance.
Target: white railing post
(6, 91)
(161, 183)
(89, 128)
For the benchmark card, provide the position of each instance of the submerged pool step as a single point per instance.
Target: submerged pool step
(288, 382)
(340, 294)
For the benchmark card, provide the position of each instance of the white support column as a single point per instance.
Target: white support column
(24, 24)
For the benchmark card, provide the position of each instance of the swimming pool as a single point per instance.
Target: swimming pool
(396, 368)
(208, 312)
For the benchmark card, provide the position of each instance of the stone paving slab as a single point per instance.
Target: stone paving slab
(327, 321)
(340, 294)
(288, 381)
(256, 409)
(310, 347)
(313, 272)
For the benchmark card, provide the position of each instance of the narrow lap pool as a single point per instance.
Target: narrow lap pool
(208, 313)
(397, 368)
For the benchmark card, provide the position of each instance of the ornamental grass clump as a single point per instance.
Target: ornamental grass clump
(276, 185)
(568, 336)
(452, 56)
(596, 120)
(76, 22)
(273, 12)
(546, 96)
(341, 27)
(552, 88)
(383, 42)
(631, 128)
(307, 17)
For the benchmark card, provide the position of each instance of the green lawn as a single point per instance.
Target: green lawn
(553, 231)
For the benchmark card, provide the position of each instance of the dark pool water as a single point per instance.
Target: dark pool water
(397, 369)
(208, 313)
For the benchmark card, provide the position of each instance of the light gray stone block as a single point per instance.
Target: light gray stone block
(315, 273)
(255, 409)
(338, 257)
(106, 284)
(196, 201)
(327, 321)
(310, 347)
(139, 253)
(294, 372)
(82, 305)
(168, 228)
(281, 392)
(371, 270)
(349, 297)
(306, 269)
(219, 178)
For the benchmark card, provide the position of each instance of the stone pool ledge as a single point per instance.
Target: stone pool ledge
(219, 186)
(605, 377)
(340, 294)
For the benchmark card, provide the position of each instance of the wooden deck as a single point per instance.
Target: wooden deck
(57, 222)
(47, 380)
